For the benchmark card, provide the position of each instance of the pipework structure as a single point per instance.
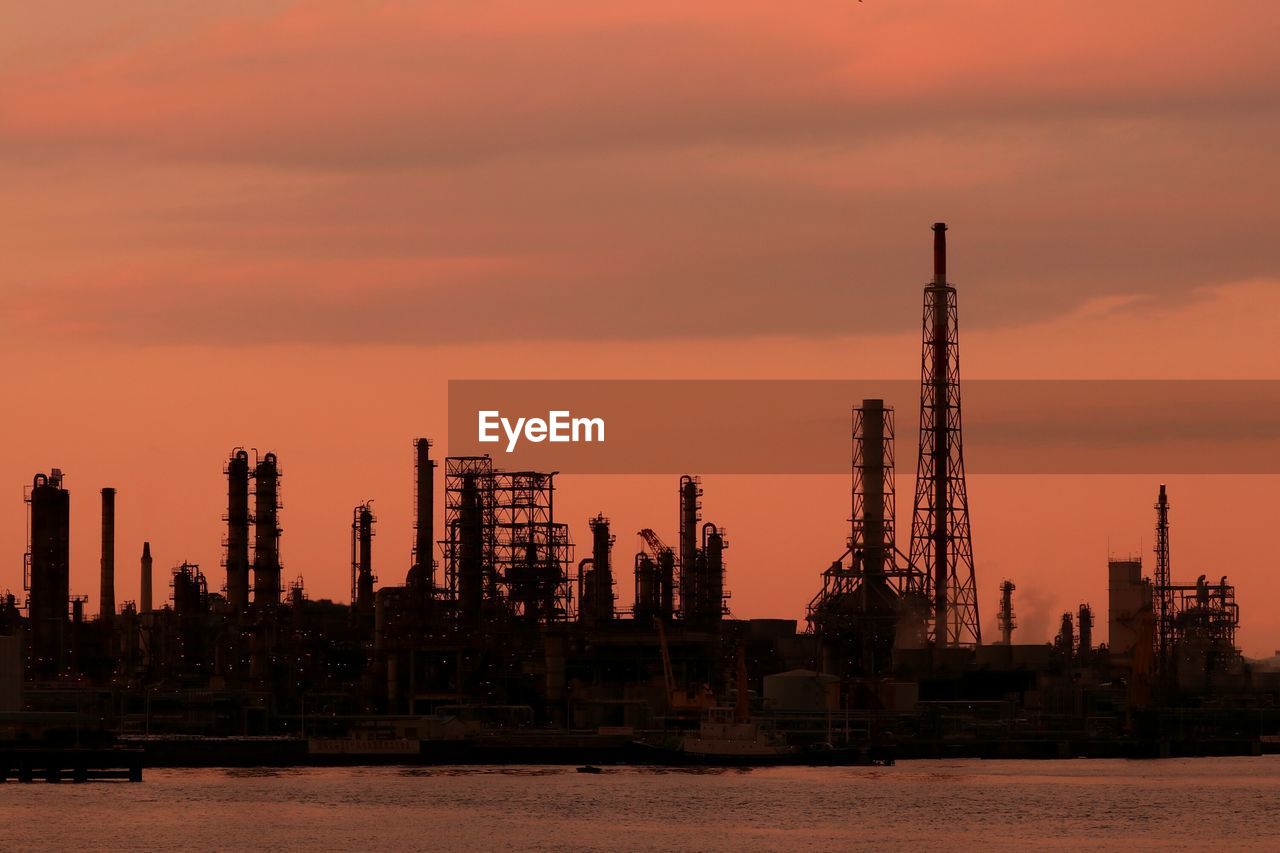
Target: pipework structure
(532, 552)
(1195, 623)
(188, 655)
(504, 551)
(941, 544)
(190, 590)
(490, 646)
(468, 544)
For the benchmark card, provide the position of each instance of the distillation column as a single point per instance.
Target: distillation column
(362, 578)
(266, 550)
(1006, 617)
(107, 579)
(711, 581)
(422, 574)
(237, 559)
(1084, 626)
(48, 561)
(597, 596)
(690, 591)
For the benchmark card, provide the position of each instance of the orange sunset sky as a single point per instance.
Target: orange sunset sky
(288, 225)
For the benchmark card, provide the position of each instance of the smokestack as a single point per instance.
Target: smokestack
(424, 521)
(107, 591)
(940, 253)
(941, 445)
(874, 467)
(144, 595)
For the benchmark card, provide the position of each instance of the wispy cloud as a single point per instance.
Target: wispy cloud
(628, 170)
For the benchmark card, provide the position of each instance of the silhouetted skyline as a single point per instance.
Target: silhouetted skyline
(289, 225)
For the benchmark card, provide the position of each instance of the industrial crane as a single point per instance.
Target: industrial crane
(679, 699)
(655, 545)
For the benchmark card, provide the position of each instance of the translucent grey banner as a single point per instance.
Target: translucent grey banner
(1154, 427)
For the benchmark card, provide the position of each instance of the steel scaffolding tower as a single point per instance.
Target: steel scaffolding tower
(503, 543)
(941, 545)
(469, 546)
(872, 550)
(532, 552)
(868, 596)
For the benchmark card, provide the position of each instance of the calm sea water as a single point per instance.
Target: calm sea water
(1196, 804)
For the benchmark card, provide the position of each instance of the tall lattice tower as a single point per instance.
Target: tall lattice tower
(941, 546)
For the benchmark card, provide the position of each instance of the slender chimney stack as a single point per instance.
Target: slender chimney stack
(940, 254)
(423, 526)
(144, 595)
(107, 593)
(941, 437)
(872, 516)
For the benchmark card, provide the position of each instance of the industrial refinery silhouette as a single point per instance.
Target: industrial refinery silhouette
(499, 646)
